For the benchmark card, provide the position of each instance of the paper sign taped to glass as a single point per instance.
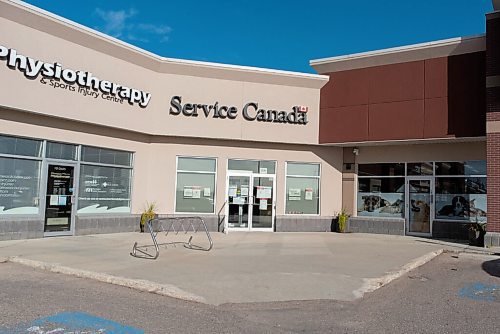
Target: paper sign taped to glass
(264, 192)
(188, 192)
(293, 192)
(263, 204)
(308, 194)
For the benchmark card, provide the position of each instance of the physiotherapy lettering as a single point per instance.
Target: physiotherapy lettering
(250, 112)
(54, 72)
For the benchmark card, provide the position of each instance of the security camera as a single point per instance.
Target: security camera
(355, 151)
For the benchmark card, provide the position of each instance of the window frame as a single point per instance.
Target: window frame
(195, 172)
(318, 177)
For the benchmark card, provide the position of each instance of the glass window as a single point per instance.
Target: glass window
(196, 164)
(106, 156)
(195, 191)
(383, 169)
(302, 169)
(19, 186)
(461, 198)
(104, 189)
(381, 197)
(256, 166)
(472, 167)
(421, 168)
(20, 146)
(302, 188)
(60, 151)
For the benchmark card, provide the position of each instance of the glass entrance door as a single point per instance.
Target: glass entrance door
(59, 199)
(250, 201)
(420, 199)
(238, 201)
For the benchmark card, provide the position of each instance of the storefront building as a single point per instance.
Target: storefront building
(93, 129)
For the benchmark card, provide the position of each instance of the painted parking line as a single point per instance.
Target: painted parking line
(481, 292)
(72, 323)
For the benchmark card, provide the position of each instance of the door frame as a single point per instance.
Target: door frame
(431, 204)
(76, 177)
(251, 201)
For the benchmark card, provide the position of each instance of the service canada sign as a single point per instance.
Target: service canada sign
(250, 111)
(54, 75)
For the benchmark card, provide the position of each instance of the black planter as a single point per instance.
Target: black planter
(476, 238)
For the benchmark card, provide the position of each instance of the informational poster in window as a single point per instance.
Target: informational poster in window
(104, 189)
(244, 190)
(188, 192)
(196, 192)
(232, 191)
(308, 194)
(264, 192)
(263, 204)
(206, 192)
(293, 192)
(263, 170)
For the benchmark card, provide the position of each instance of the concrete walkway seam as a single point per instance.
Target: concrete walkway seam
(372, 284)
(136, 284)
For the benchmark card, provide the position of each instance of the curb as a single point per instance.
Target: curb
(136, 284)
(461, 248)
(372, 284)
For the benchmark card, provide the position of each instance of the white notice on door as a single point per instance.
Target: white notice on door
(206, 192)
(54, 200)
(232, 191)
(264, 192)
(263, 204)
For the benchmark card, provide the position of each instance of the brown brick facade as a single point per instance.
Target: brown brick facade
(493, 156)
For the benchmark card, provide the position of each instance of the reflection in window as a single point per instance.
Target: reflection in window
(382, 169)
(302, 188)
(195, 191)
(20, 146)
(255, 166)
(106, 156)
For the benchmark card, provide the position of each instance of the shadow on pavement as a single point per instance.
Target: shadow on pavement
(492, 267)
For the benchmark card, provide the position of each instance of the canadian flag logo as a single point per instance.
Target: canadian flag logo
(302, 108)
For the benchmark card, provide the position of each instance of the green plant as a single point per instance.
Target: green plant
(342, 217)
(148, 213)
(478, 227)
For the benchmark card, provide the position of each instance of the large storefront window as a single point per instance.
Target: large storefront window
(19, 186)
(461, 191)
(195, 190)
(105, 188)
(302, 188)
(381, 190)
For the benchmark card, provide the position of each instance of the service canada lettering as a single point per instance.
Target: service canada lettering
(251, 112)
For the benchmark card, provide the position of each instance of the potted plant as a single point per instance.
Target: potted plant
(342, 221)
(148, 213)
(477, 231)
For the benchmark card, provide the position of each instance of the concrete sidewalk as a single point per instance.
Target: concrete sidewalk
(242, 267)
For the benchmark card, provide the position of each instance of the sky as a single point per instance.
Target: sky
(275, 34)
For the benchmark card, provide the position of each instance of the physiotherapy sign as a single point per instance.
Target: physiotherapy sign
(56, 76)
(250, 112)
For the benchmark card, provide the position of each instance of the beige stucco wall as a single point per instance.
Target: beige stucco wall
(452, 151)
(155, 158)
(50, 40)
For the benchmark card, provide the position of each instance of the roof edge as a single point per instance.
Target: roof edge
(401, 54)
(159, 60)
